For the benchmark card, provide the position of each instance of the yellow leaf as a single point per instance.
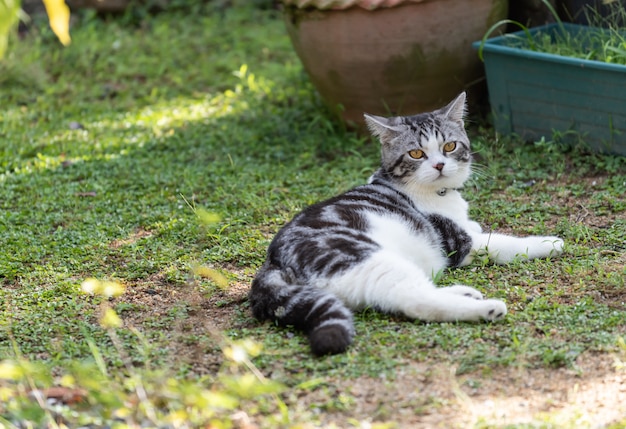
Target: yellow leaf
(110, 289)
(219, 400)
(208, 273)
(110, 319)
(9, 370)
(207, 218)
(59, 16)
(251, 347)
(6, 393)
(178, 418)
(99, 287)
(67, 381)
(91, 286)
(236, 353)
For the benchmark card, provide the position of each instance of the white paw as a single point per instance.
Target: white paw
(549, 246)
(470, 292)
(493, 309)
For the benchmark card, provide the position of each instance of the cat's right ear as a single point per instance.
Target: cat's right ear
(381, 127)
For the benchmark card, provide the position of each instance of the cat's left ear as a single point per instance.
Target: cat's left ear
(455, 111)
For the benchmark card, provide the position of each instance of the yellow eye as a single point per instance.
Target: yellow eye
(449, 147)
(416, 154)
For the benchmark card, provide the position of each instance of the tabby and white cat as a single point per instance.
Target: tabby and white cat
(379, 245)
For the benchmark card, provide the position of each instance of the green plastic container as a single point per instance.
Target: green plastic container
(535, 94)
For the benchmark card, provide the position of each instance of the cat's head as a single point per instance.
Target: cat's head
(428, 151)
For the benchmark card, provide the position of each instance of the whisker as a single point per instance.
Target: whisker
(480, 171)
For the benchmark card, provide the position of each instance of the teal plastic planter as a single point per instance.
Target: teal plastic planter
(535, 94)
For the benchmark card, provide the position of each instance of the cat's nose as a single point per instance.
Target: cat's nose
(439, 166)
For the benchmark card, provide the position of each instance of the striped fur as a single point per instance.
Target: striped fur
(380, 244)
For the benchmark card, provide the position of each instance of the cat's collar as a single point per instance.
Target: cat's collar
(443, 191)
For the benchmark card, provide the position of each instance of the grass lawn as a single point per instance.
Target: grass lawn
(161, 153)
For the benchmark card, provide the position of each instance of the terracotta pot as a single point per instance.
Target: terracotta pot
(103, 6)
(406, 59)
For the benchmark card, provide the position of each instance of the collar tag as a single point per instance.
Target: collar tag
(442, 192)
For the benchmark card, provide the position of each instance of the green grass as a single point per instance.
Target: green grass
(604, 45)
(114, 148)
(605, 42)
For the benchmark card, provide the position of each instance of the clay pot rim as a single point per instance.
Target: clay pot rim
(345, 4)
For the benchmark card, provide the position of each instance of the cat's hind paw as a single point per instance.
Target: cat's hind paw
(463, 290)
(493, 309)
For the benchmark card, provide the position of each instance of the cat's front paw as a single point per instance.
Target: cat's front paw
(493, 309)
(467, 291)
(549, 246)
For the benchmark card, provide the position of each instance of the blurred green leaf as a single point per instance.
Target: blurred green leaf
(249, 386)
(9, 16)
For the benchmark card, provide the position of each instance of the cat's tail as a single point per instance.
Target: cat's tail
(276, 295)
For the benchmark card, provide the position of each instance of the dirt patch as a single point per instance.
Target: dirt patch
(195, 339)
(594, 394)
(430, 395)
(131, 239)
(585, 209)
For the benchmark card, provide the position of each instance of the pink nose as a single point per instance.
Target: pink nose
(439, 166)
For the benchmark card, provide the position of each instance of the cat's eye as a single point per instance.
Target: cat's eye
(449, 147)
(416, 154)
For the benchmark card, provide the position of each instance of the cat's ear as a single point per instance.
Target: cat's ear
(455, 111)
(381, 127)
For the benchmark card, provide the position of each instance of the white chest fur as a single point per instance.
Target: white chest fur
(398, 237)
(450, 205)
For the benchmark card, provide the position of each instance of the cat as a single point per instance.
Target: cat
(381, 244)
